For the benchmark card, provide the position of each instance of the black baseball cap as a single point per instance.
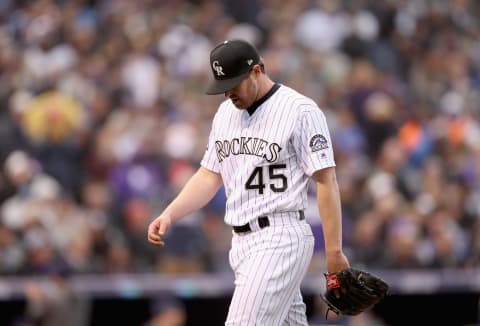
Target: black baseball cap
(231, 62)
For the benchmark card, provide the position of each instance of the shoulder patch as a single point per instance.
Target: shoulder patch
(318, 142)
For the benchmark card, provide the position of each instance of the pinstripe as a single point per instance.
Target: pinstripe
(283, 114)
(296, 314)
(263, 278)
(229, 127)
(306, 254)
(282, 280)
(282, 303)
(292, 284)
(260, 130)
(295, 284)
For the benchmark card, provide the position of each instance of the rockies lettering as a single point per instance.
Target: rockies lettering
(247, 146)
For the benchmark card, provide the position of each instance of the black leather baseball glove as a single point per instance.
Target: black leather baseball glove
(352, 291)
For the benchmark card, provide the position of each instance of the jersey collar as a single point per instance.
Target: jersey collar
(252, 108)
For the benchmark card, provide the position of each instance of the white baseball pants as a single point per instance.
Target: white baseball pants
(269, 266)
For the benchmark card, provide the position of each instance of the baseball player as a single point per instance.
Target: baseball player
(267, 141)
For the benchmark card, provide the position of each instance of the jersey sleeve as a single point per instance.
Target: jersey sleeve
(311, 139)
(209, 160)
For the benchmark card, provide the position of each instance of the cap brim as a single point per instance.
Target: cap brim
(221, 86)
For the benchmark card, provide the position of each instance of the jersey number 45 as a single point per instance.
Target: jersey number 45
(255, 180)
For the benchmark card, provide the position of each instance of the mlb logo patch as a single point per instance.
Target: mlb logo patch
(318, 142)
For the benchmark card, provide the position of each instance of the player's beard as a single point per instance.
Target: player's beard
(237, 102)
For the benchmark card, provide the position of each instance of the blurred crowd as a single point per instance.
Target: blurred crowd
(104, 118)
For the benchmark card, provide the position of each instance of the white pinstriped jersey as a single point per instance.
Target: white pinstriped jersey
(265, 159)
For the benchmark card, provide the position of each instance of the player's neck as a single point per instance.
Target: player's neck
(252, 108)
(266, 85)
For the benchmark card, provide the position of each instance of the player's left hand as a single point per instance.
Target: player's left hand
(157, 229)
(352, 291)
(336, 261)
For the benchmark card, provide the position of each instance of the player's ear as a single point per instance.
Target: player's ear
(262, 66)
(258, 68)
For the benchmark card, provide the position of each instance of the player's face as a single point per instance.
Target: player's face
(245, 93)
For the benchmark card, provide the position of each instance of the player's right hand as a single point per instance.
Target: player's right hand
(157, 229)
